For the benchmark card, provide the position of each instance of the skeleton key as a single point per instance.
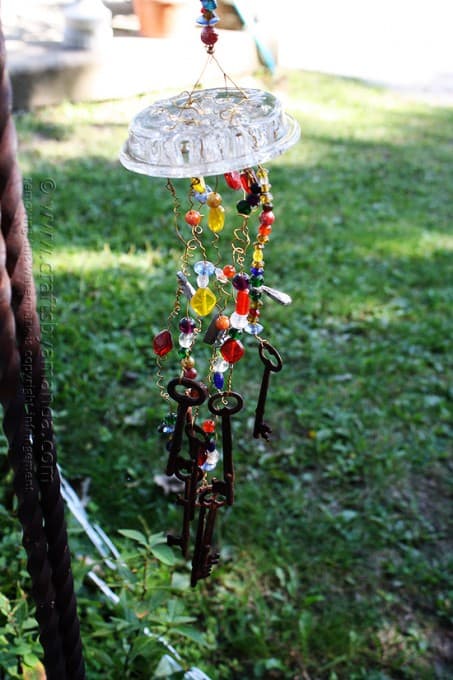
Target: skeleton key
(226, 404)
(185, 401)
(203, 557)
(197, 445)
(261, 428)
(190, 473)
(188, 500)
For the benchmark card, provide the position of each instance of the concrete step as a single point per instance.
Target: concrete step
(46, 73)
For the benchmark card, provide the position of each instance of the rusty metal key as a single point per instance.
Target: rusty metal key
(226, 404)
(194, 394)
(261, 428)
(190, 473)
(188, 501)
(204, 557)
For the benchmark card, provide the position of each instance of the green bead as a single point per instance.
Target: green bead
(234, 332)
(183, 352)
(243, 208)
(255, 294)
(256, 281)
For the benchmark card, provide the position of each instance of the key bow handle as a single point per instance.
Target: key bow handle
(266, 347)
(197, 396)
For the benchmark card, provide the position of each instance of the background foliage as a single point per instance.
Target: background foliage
(336, 555)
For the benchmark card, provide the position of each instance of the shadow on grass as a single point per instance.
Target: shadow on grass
(340, 522)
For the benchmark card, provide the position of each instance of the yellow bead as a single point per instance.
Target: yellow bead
(214, 199)
(203, 301)
(188, 362)
(198, 185)
(257, 255)
(216, 219)
(262, 239)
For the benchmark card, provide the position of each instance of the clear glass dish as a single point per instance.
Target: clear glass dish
(208, 132)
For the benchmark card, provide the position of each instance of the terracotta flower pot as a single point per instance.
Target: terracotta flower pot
(161, 18)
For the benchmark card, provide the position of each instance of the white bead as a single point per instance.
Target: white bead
(213, 457)
(238, 321)
(211, 460)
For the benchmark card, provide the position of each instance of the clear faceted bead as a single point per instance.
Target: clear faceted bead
(203, 280)
(186, 340)
(220, 365)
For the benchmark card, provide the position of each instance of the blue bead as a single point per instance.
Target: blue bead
(211, 445)
(219, 380)
(203, 267)
(256, 271)
(202, 21)
(253, 328)
(210, 5)
(201, 198)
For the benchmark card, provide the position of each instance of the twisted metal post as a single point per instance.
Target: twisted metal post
(25, 395)
(17, 427)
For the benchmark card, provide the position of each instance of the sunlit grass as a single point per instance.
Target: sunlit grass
(335, 556)
(83, 261)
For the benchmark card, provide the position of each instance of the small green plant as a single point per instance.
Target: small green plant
(145, 622)
(19, 646)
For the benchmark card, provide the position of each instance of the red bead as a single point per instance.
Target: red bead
(201, 457)
(242, 302)
(232, 350)
(193, 217)
(162, 343)
(245, 181)
(209, 36)
(254, 314)
(229, 271)
(208, 426)
(267, 217)
(233, 179)
(190, 373)
(265, 230)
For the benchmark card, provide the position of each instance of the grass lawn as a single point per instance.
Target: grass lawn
(336, 554)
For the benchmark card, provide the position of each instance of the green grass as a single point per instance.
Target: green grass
(336, 554)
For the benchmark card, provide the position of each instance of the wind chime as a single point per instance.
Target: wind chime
(227, 131)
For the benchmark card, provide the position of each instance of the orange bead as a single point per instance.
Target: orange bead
(265, 230)
(222, 322)
(214, 199)
(193, 217)
(229, 271)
